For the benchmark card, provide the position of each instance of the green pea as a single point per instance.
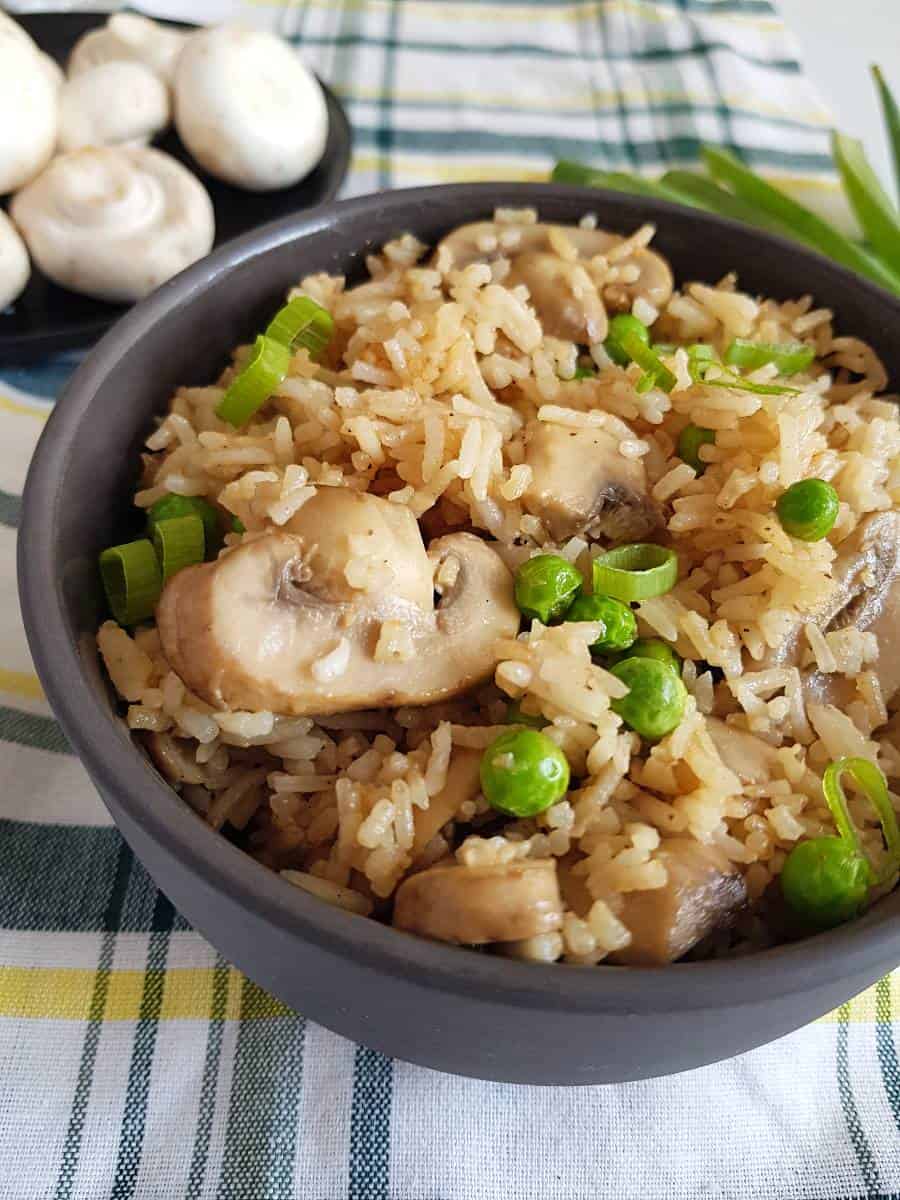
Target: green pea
(515, 715)
(523, 772)
(656, 697)
(545, 587)
(172, 505)
(620, 324)
(618, 619)
(825, 881)
(651, 647)
(808, 509)
(691, 438)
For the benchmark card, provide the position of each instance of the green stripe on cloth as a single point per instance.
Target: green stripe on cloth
(131, 1136)
(82, 862)
(260, 1139)
(385, 132)
(80, 1100)
(370, 1125)
(681, 148)
(887, 1048)
(862, 1149)
(210, 1082)
(29, 729)
(788, 66)
(10, 509)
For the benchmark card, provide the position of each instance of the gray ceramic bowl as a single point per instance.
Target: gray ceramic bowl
(444, 1007)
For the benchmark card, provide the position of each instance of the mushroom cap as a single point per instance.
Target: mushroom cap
(115, 103)
(51, 69)
(271, 625)
(503, 902)
(549, 276)
(28, 98)
(114, 222)
(580, 481)
(129, 36)
(248, 109)
(15, 267)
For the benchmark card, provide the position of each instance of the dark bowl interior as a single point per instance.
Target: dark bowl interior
(445, 1007)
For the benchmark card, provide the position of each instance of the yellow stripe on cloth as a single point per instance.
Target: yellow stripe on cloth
(863, 1008)
(23, 408)
(61, 993)
(21, 683)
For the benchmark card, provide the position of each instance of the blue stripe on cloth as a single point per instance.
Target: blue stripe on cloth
(210, 1082)
(887, 1047)
(10, 509)
(263, 1110)
(81, 861)
(30, 729)
(134, 1116)
(677, 148)
(46, 379)
(525, 50)
(370, 1125)
(868, 1168)
(110, 922)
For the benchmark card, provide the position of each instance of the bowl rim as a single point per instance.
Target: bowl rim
(116, 764)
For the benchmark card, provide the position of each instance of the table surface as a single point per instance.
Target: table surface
(839, 41)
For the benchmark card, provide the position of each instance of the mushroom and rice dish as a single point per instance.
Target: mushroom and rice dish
(523, 600)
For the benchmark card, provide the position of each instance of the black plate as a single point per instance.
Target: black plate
(47, 318)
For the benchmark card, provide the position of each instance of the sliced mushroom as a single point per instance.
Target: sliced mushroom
(14, 265)
(276, 625)
(556, 291)
(704, 893)
(28, 101)
(114, 104)
(463, 783)
(175, 758)
(474, 905)
(563, 295)
(248, 109)
(751, 759)
(582, 483)
(866, 596)
(114, 222)
(129, 37)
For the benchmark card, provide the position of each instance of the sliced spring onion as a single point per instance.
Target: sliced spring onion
(873, 785)
(179, 543)
(789, 359)
(635, 572)
(638, 351)
(705, 193)
(132, 580)
(873, 207)
(172, 505)
(251, 388)
(237, 525)
(302, 322)
(584, 373)
(803, 224)
(567, 171)
(701, 358)
(891, 114)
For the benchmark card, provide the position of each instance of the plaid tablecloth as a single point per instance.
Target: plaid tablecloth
(134, 1062)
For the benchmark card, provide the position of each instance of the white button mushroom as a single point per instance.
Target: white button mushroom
(130, 37)
(28, 101)
(14, 265)
(114, 222)
(254, 629)
(13, 30)
(114, 104)
(248, 109)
